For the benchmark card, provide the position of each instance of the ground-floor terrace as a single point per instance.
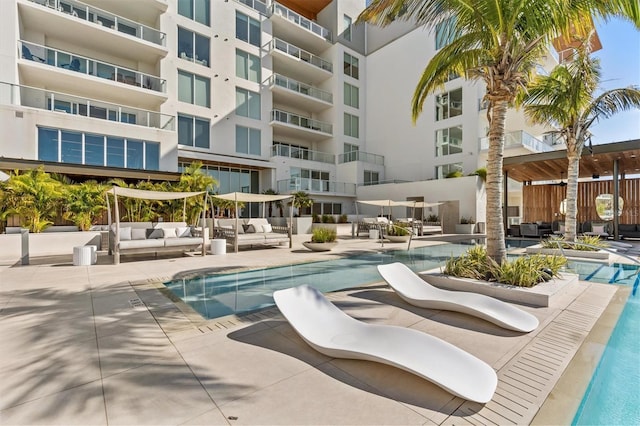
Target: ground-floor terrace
(106, 344)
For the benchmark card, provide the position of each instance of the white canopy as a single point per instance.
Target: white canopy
(151, 195)
(251, 198)
(388, 203)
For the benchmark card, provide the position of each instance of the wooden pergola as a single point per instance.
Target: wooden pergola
(612, 162)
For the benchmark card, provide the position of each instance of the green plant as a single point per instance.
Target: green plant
(343, 218)
(481, 173)
(327, 218)
(454, 174)
(301, 200)
(433, 218)
(315, 218)
(583, 243)
(279, 204)
(194, 179)
(466, 220)
(323, 235)
(398, 229)
(84, 203)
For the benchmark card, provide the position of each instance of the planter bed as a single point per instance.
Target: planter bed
(599, 255)
(542, 294)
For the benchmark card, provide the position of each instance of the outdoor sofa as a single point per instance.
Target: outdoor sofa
(251, 232)
(536, 230)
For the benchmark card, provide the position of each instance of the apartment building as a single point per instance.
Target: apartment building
(286, 95)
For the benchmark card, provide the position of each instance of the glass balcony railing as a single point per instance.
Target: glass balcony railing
(258, 5)
(301, 54)
(519, 138)
(298, 120)
(290, 15)
(295, 184)
(54, 101)
(106, 19)
(302, 88)
(302, 154)
(365, 157)
(73, 62)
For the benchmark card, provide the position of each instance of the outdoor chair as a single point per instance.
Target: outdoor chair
(26, 54)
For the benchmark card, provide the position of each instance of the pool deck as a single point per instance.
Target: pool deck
(102, 344)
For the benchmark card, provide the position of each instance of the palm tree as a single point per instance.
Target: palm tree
(194, 179)
(279, 204)
(84, 203)
(498, 43)
(300, 200)
(567, 100)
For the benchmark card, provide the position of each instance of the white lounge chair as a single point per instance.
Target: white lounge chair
(330, 331)
(417, 292)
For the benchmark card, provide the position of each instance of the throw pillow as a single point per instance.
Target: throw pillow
(598, 229)
(267, 228)
(138, 234)
(183, 231)
(250, 229)
(155, 233)
(125, 233)
(169, 233)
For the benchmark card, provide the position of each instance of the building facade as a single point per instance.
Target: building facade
(287, 95)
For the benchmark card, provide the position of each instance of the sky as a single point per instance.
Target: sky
(620, 62)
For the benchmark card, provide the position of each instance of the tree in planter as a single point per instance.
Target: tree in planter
(567, 100)
(194, 179)
(301, 200)
(84, 203)
(278, 203)
(34, 196)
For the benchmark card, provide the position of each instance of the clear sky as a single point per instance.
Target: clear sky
(620, 62)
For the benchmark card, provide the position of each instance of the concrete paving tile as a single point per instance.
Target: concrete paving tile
(113, 302)
(82, 405)
(155, 395)
(135, 321)
(320, 397)
(211, 417)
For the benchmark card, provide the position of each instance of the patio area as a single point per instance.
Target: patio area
(103, 344)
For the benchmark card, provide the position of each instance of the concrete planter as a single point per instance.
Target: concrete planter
(540, 295)
(599, 255)
(47, 243)
(302, 225)
(465, 228)
(319, 246)
(397, 238)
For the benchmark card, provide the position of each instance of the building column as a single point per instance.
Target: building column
(616, 192)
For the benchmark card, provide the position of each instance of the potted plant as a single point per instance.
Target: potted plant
(322, 239)
(398, 232)
(301, 224)
(466, 226)
(433, 220)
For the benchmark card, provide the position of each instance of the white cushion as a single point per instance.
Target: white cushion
(599, 229)
(267, 228)
(138, 234)
(169, 233)
(125, 234)
(183, 231)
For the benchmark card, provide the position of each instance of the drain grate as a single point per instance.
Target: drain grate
(136, 303)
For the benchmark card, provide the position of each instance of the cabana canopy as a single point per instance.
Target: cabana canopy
(151, 195)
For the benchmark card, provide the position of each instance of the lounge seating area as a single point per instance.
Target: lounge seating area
(149, 237)
(252, 232)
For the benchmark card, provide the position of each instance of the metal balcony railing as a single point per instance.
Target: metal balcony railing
(302, 88)
(301, 21)
(303, 55)
(85, 12)
(295, 184)
(365, 157)
(81, 64)
(519, 138)
(278, 150)
(33, 97)
(300, 121)
(258, 5)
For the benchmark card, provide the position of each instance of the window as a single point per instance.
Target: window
(351, 95)
(351, 125)
(449, 141)
(248, 66)
(247, 103)
(350, 152)
(347, 28)
(449, 104)
(248, 140)
(193, 131)
(350, 65)
(86, 148)
(193, 89)
(371, 178)
(444, 33)
(193, 47)
(326, 208)
(290, 150)
(247, 29)
(447, 169)
(198, 10)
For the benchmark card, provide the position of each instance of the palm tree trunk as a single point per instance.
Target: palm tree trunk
(573, 171)
(495, 228)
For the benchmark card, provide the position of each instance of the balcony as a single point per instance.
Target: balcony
(316, 186)
(293, 26)
(289, 91)
(296, 126)
(91, 28)
(53, 68)
(362, 156)
(297, 63)
(288, 151)
(519, 139)
(258, 5)
(63, 103)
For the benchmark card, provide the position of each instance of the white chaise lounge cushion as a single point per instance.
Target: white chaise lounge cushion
(330, 331)
(417, 292)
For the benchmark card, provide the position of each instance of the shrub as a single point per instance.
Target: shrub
(583, 243)
(433, 218)
(343, 218)
(398, 229)
(466, 220)
(327, 218)
(454, 174)
(315, 218)
(323, 235)
(482, 173)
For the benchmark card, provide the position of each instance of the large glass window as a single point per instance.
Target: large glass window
(247, 29)
(193, 131)
(71, 147)
(152, 156)
(444, 33)
(351, 95)
(447, 170)
(94, 150)
(449, 104)
(248, 66)
(193, 47)
(371, 177)
(347, 28)
(47, 144)
(351, 125)
(351, 66)
(198, 10)
(135, 154)
(115, 152)
(350, 152)
(248, 140)
(247, 103)
(193, 89)
(449, 141)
